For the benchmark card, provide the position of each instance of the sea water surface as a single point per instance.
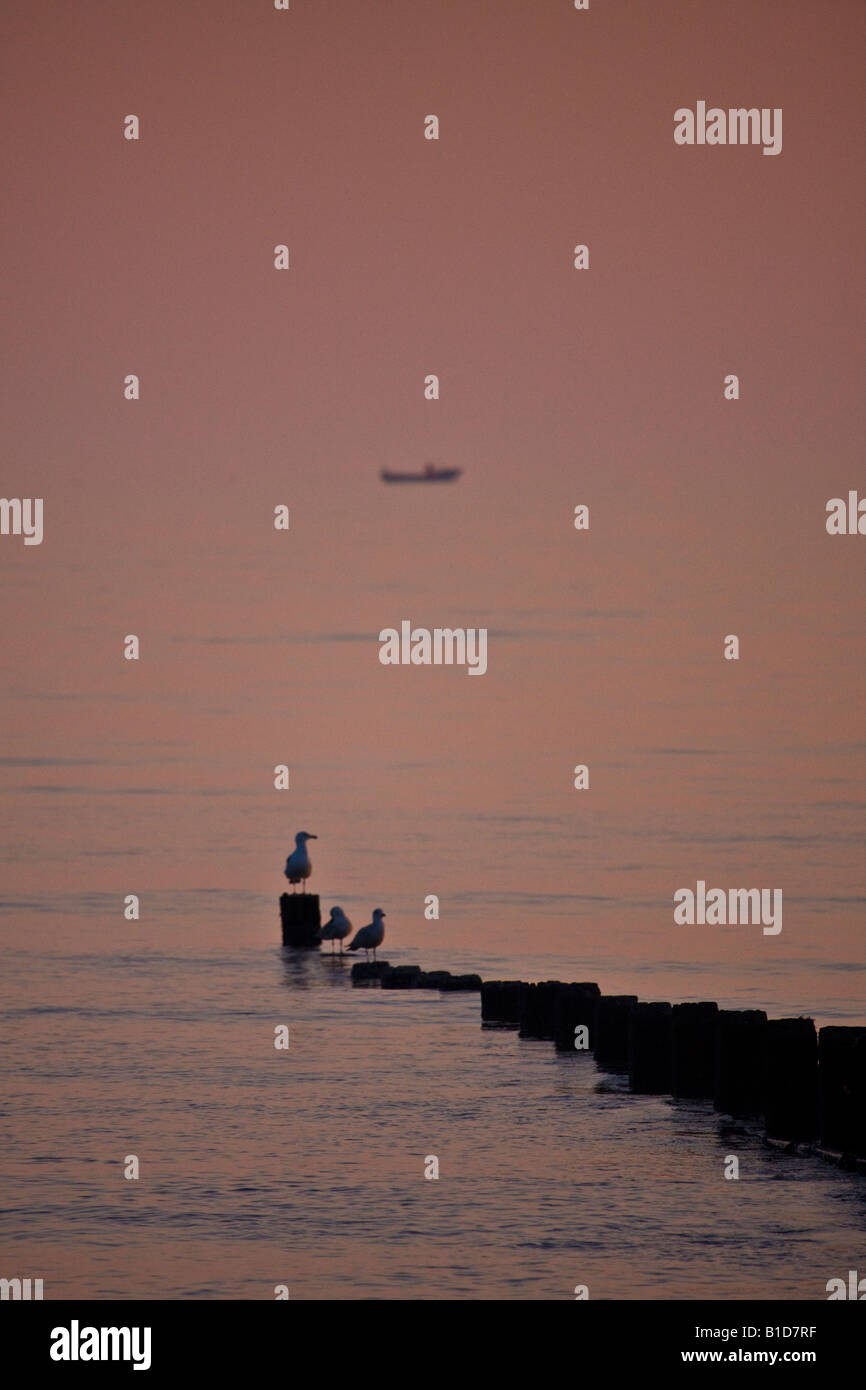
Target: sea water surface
(306, 1167)
(258, 647)
(155, 1037)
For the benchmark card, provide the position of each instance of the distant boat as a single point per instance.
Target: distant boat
(430, 474)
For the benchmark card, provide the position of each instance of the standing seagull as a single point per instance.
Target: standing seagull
(298, 867)
(337, 928)
(371, 936)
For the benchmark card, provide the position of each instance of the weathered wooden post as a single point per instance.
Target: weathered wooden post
(610, 1046)
(400, 977)
(694, 1040)
(460, 984)
(363, 971)
(842, 1090)
(491, 1000)
(649, 1049)
(739, 1061)
(433, 979)
(791, 1079)
(500, 1002)
(574, 1005)
(301, 919)
(536, 1009)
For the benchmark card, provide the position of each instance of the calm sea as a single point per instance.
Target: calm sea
(306, 1167)
(155, 1037)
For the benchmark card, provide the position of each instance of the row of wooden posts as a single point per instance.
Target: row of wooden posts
(805, 1085)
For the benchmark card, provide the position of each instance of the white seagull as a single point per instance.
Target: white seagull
(371, 936)
(337, 928)
(298, 866)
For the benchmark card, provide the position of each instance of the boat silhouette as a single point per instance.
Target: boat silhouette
(429, 474)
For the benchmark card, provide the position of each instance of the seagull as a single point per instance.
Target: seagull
(337, 928)
(371, 936)
(298, 867)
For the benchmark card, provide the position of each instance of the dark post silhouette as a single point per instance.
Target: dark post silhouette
(574, 1005)
(610, 1046)
(455, 983)
(536, 1009)
(791, 1079)
(432, 979)
(739, 1061)
(649, 1049)
(500, 1002)
(842, 1090)
(301, 919)
(400, 976)
(694, 1039)
(363, 971)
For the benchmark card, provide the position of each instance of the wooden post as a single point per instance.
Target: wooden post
(739, 1061)
(500, 1002)
(399, 976)
(536, 1009)
(574, 1005)
(694, 1038)
(791, 1079)
(301, 919)
(649, 1049)
(842, 1090)
(610, 1045)
(363, 971)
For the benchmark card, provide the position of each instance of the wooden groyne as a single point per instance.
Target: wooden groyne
(693, 1042)
(807, 1087)
(389, 976)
